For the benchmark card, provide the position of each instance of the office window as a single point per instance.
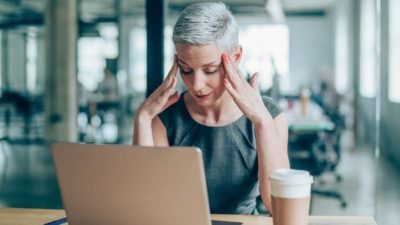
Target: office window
(109, 35)
(92, 55)
(1, 61)
(169, 49)
(342, 56)
(394, 51)
(367, 49)
(138, 58)
(91, 61)
(266, 51)
(31, 61)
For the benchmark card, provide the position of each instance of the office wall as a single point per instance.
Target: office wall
(366, 127)
(345, 57)
(344, 46)
(3, 59)
(364, 107)
(14, 52)
(311, 47)
(390, 111)
(41, 63)
(126, 57)
(389, 126)
(390, 129)
(16, 60)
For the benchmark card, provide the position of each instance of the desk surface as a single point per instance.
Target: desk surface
(13, 216)
(314, 121)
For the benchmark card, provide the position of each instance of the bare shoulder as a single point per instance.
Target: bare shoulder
(272, 106)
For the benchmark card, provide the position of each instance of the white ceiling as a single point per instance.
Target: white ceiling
(21, 11)
(299, 5)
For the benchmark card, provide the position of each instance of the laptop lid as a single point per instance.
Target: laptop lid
(120, 184)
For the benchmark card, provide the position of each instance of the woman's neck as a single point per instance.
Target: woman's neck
(222, 112)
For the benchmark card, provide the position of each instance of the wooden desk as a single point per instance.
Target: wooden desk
(13, 216)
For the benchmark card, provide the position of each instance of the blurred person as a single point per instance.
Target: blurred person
(242, 135)
(108, 87)
(330, 101)
(276, 78)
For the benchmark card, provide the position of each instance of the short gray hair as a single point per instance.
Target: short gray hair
(207, 23)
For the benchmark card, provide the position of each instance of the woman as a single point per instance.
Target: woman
(242, 135)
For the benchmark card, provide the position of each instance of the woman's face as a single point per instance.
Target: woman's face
(202, 71)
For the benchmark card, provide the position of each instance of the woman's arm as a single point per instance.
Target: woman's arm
(149, 133)
(271, 134)
(148, 128)
(271, 140)
(142, 132)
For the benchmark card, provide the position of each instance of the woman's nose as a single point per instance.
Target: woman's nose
(198, 82)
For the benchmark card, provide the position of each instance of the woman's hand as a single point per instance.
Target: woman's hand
(246, 96)
(271, 134)
(162, 97)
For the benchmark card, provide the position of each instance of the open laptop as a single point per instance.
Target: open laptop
(121, 185)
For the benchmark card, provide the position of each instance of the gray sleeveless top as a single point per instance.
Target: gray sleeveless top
(229, 154)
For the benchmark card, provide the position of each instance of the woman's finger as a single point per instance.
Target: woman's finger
(171, 100)
(254, 81)
(172, 86)
(174, 69)
(231, 89)
(171, 74)
(238, 72)
(230, 71)
(161, 98)
(168, 90)
(168, 80)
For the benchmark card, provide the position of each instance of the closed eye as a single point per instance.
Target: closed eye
(185, 72)
(211, 72)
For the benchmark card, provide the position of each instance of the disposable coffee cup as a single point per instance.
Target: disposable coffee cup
(290, 190)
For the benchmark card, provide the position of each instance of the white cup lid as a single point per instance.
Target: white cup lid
(288, 183)
(291, 176)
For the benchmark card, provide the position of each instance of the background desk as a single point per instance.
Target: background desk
(12, 216)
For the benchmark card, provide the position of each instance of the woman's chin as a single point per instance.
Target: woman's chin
(208, 99)
(204, 100)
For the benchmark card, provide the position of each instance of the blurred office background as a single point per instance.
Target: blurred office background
(77, 71)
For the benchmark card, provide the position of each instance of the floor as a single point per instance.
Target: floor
(371, 187)
(27, 177)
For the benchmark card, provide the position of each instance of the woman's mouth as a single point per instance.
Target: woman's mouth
(202, 96)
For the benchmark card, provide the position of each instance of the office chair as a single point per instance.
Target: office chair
(310, 151)
(21, 107)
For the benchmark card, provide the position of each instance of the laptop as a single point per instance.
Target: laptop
(121, 185)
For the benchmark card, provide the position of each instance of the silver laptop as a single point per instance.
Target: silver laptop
(122, 185)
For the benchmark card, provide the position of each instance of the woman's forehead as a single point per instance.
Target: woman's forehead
(198, 54)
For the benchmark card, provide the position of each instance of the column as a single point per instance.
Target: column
(61, 70)
(4, 60)
(155, 16)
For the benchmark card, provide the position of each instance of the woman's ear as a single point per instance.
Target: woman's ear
(237, 55)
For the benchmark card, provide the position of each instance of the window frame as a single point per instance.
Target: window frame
(367, 69)
(394, 52)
